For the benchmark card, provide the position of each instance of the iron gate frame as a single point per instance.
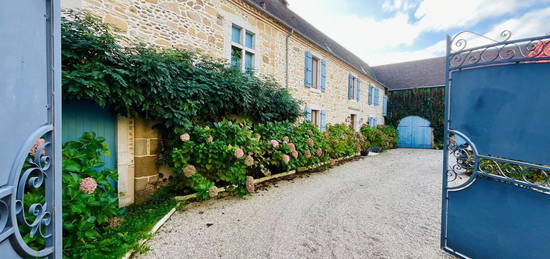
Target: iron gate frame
(45, 164)
(506, 52)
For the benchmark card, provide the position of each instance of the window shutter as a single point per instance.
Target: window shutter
(385, 107)
(308, 77)
(375, 122)
(323, 121)
(370, 95)
(376, 97)
(308, 114)
(350, 86)
(323, 75)
(358, 97)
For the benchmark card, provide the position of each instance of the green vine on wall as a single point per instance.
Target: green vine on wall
(428, 103)
(175, 87)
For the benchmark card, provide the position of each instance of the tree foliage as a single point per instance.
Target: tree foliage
(175, 87)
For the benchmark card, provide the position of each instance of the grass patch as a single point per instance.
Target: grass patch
(138, 221)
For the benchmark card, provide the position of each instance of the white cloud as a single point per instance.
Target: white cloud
(379, 41)
(531, 24)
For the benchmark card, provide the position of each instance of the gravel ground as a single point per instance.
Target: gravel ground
(386, 206)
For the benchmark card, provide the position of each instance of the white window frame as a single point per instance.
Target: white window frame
(318, 109)
(239, 21)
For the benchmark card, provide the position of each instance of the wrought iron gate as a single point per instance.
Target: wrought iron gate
(496, 189)
(30, 157)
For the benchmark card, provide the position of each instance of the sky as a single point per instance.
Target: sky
(391, 31)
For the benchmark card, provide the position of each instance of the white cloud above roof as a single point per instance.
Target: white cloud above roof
(393, 38)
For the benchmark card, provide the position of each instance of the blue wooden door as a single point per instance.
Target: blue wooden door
(414, 132)
(86, 116)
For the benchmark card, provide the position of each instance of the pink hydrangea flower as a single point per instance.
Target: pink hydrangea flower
(342, 137)
(286, 159)
(115, 222)
(319, 152)
(250, 184)
(291, 147)
(249, 161)
(185, 137)
(275, 143)
(239, 153)
(210, 139)
(189, 171)
(37, 144)
(309, 132)
(294, 154)
(286, 139)
(307, 154)
(310, 142)
(213, 191)
(88, 185)
(333, 162)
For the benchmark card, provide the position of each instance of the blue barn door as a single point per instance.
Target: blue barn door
(414, 132)
(86, 116)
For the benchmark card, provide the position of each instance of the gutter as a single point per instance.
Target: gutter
(287, 57)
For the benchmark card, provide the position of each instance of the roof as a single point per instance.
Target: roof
(412, 74)
(280, 11)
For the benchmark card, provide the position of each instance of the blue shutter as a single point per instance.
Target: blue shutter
(308, 77)
(376, 97)
(350, 86)
(370, 95)
(385, 108)
(323, 121)
(358, 97)
(308, 114)
(323, 75)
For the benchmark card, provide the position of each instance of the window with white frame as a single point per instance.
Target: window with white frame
(316, 117)
(243, 48)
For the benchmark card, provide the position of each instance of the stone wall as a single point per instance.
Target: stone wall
(205, 26)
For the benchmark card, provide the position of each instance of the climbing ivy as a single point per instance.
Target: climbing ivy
(428, 103)
(175, 87)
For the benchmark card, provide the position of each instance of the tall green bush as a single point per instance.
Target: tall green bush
(90, 202)
(175, 87)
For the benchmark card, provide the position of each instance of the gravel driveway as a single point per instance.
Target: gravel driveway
(386, 206)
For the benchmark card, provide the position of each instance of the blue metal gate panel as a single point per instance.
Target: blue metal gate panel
(414, 132)
(86, 116)
(493, 219)
(500, 105)
(496, 164)
(30, 94)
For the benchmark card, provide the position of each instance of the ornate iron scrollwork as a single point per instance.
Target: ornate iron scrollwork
(497, 50)
(34, 178)
(32, 173)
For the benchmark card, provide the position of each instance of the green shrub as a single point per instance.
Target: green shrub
(87, 209)
(175, 87)
(390, 136)
(304, 144)
(204, 156)
(343, 141)
(384, 137)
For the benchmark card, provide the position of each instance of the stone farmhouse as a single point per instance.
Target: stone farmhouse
(263, 37)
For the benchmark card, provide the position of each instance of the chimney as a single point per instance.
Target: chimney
(263, 4)
(285, 2)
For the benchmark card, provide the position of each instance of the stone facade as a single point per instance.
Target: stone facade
(205, 26)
